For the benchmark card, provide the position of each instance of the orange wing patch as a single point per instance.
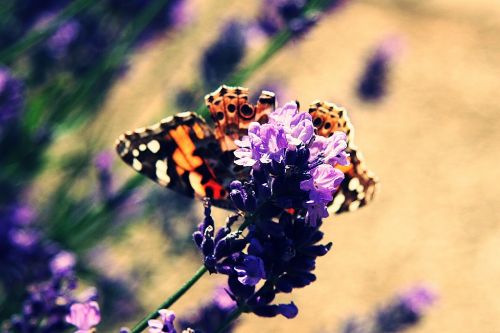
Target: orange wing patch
(180, 153)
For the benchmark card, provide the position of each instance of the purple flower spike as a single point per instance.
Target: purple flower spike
(85, 316)
(374, 80)
(165, 324)
(251, 271)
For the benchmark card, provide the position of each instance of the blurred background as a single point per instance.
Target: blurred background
(417, 77)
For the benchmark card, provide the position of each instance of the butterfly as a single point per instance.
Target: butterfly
(186, 154)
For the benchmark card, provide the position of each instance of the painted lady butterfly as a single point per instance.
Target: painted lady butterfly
(184, 153)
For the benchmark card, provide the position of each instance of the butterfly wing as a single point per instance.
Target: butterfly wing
(360, 184)
(180, 153)
(232, 113)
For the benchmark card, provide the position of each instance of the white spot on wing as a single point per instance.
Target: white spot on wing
(135, 153)
(142, 147)
(337, 203)
(161, 172)
(354, 205)
(154, 146)
(136, 164)
(353, 184)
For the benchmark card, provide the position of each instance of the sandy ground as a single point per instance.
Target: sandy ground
(433, 142)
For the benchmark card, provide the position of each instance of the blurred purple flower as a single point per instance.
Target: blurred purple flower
(278, 15)
(403, 312)
(103, 162)
(419, 298)
(59, 42)
(222, 300)
(222, 57)
(11, 97)
(373, 83)
(62, 263)
(85, 316)
(47, 306)
(209, 317)
(24, 254)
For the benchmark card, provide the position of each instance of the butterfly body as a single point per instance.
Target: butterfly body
(184, 153)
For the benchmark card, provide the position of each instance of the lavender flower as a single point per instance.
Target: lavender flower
(290, 183)
(217, 247)
(286, 154)
(85, 316)
(222, 57)
(165, 324)
(373, 83)
(11, 97)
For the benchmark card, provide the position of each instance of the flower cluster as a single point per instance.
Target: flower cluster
(292, 178)
(292, 167)
(24, 255)
(47, 306)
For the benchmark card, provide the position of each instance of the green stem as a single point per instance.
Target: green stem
(37, 36)
(232, 317)
(170, 301)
